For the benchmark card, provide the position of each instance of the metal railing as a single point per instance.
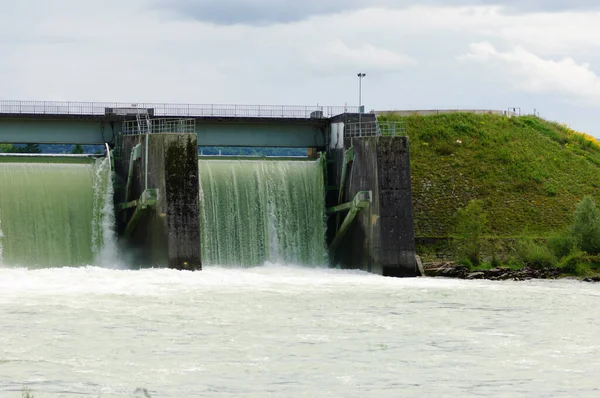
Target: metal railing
(374, 128)
(172, 110)
(429, 112)
(161, 126)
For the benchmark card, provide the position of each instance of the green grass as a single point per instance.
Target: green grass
(530, 173)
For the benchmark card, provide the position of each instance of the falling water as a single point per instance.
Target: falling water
(254, 211)
(53, 213)
(1, 235)
(104, 239)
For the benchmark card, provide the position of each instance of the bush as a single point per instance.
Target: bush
(579, 263)
(495, 261)
(571, 264)
(470, 226)
(586, 226)
(444, 149)
(466, 262)
(535, 255)
(561, 244)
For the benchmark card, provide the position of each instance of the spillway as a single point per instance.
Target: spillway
(257, 211)
(54, 212)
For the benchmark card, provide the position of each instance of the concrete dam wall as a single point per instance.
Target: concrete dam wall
(348, 204)
(247, 212)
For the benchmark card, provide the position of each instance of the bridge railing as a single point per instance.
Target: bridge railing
(160, 126)
(374, 128)
(172, 110)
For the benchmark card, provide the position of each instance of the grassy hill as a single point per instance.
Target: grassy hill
(530, 173)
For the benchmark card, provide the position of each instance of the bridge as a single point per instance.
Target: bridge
(88, 123)
(366, 168)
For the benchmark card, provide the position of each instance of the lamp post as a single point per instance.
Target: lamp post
(360, 77)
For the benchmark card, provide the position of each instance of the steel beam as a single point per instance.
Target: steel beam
(55, 131)
(96, 130)
(360, 201)
(148, 199)
(267, 134)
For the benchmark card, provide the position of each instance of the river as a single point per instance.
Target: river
(284, 331)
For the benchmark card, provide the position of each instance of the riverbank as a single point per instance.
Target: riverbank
(450, 269)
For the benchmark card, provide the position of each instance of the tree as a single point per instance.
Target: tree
(586, 226)
(27, 148)
(471, 223)
(6, 148)
(78, 149)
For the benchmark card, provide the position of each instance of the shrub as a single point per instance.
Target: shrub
(586, 226)
(444, 149)
(495, 261)
(561, 244)
(551, 191)
(470, 226)
(571, 264)
(466, 262)
(535, 255)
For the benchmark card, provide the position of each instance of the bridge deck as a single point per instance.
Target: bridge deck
(216, 125)
(170, 110)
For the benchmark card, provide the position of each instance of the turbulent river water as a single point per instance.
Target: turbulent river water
(284, 331)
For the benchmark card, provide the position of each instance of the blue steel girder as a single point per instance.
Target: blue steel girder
(212, 131)
(48, 130)
(290, 133)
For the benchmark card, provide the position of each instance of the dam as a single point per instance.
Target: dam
(346, 204)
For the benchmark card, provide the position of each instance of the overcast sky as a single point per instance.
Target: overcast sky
(482, 54)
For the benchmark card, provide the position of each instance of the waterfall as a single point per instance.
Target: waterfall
(254, 211)
(104, 239)
(1, 236)
(54, 212)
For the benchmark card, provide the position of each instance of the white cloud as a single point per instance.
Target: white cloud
(264, 12)
(531, 73)
(336, 56)
(118, 50)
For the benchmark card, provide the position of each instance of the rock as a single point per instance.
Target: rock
(496, 272)
(476, 275)
(592, 279)
(462, 271)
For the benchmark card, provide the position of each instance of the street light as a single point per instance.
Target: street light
(360, 76)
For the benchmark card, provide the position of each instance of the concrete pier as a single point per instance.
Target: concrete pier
(381, 238)
(159, 206)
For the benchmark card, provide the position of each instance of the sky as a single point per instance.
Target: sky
(477, 54)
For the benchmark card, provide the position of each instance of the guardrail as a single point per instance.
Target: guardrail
(429, 112)
(159, 126)
(374, 128)
(172, 110)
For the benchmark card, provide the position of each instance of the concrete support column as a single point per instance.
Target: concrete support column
(168, 233)
(381, 238)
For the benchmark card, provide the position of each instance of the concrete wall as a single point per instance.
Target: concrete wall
(381, 238)
(169, 233)
(396, 227)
